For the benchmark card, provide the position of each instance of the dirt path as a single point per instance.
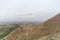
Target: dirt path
(28, 33)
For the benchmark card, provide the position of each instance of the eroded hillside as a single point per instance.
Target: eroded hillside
(35, 32)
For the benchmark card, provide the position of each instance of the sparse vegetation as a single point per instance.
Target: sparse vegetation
(42, 31)
(5, 30)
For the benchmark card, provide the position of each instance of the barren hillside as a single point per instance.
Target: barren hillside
(35, 32)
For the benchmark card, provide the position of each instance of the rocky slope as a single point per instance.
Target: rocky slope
(35, 32)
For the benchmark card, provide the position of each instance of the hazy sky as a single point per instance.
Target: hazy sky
(28, 10)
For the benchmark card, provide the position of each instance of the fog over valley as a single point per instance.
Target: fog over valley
(28, 10)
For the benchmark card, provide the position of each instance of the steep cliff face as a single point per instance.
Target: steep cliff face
(34, 32)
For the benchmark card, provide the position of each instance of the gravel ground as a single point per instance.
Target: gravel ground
(51, 37)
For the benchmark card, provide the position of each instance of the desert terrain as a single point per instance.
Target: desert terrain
(48, 30)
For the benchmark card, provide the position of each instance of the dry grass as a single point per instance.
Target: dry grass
(28, 33)
(35, 32)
